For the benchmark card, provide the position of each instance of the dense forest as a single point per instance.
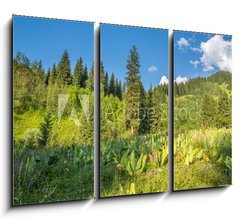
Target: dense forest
(53, 131)
(134, 133)
(202, 132)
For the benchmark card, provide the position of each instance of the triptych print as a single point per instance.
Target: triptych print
(53, 110)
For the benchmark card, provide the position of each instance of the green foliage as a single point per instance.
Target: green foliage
(64, 70)
(45, 129)
(58, 174)
(202, 158)
(208, 111)
(112, 85)
(106, 87)
(224, 111)
(90, 80)
(133, 94)
(134, 165)
(79, 74)
(53, 145)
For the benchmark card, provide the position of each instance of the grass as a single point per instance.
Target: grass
(60, 171)
(52, 175)
(202, 159)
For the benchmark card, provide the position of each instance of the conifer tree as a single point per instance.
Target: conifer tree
(85, 76)
(90, 80)
(45, 129)
(48, 76)
(133, 94)
(119, 89)
(112, 85)
(224, 111)
(78, 74)
(106, 83)
(53, 75)
(64, 70)
(208, 111)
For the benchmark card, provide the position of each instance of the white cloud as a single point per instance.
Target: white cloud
(164, 80)
(195, 49)
(153, 69)
(217, 53)
(194, 63)
(180, 79)
(182, 42)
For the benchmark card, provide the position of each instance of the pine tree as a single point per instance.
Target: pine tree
(112, 86)
(64, 70)
(208, 111)
(84, 77)
(133, 94)
(116, 87)
(119, 89)
(23, 83)
(106, 83)
(78, 74)
(90, 80)
(224, 111)
(48, 76)
(52, 90)
(45, 129)
(53, 75)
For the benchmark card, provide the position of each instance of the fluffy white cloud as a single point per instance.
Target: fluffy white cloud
(182, 42)
(164, 80)
(180, 80)
(195, 49)
(217, 53)
(194, 63)
(153, 69)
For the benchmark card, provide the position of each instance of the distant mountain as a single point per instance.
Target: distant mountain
(198, 84)
(221, 77)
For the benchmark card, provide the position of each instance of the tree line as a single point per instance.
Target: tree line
(204, 102)
(128, 109)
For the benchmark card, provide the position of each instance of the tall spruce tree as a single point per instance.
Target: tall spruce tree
(133, 94)
(112, 85)
(64, 70)
(78, 74)
(119, 89)
(85, 76)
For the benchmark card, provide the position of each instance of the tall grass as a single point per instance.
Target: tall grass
(57, 174)
(202, 158)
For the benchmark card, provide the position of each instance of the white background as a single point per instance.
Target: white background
(214, 205)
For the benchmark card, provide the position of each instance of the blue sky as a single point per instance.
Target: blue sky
(201, 54)
(152, 46)
(46, 40)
